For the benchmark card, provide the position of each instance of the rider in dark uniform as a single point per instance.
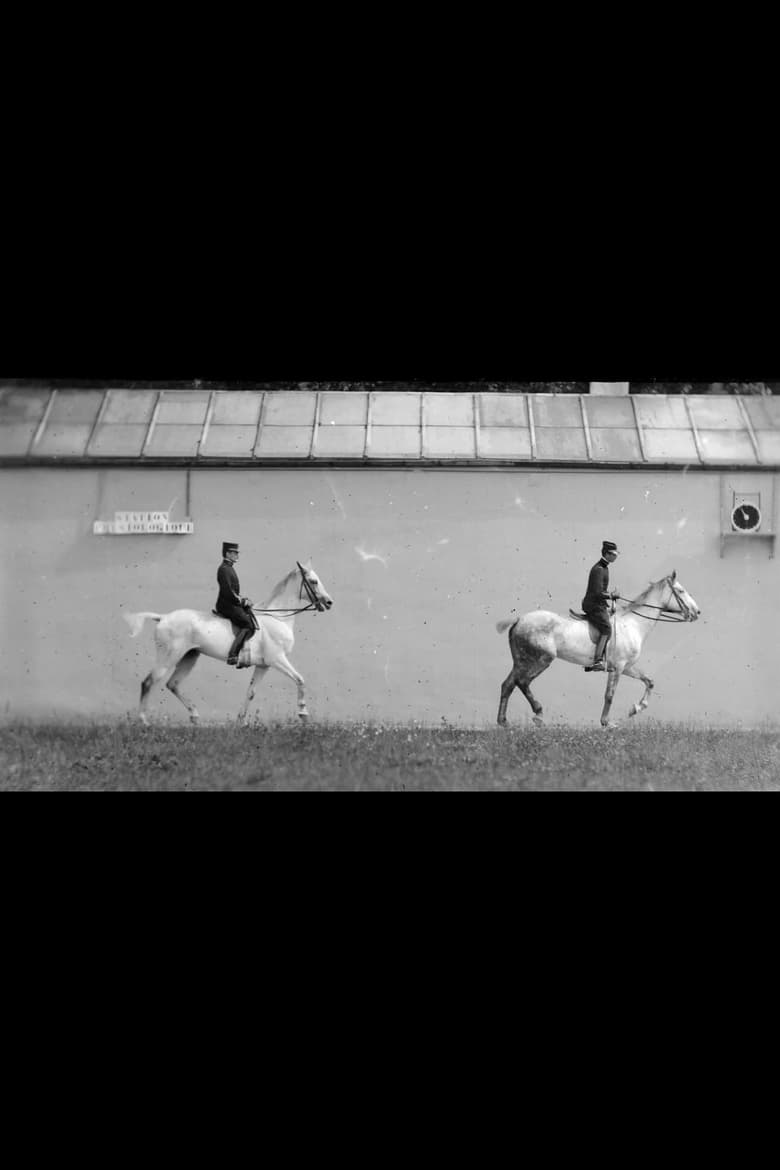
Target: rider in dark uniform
(595, 602)
(231, 604)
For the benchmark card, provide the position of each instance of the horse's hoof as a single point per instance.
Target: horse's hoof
(501, 722)
(538, 721)
(304, 715)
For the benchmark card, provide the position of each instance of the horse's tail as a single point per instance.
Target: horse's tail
(506, 623)
(136, 621)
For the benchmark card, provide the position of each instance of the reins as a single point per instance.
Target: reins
(675, 616)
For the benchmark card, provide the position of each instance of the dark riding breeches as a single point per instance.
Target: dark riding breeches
(240, 617)
(598, 616)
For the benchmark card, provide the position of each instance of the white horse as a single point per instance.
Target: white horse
(538, 638)
(184, 634)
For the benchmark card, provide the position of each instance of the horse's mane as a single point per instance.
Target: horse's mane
(645, 593)
(282, 585)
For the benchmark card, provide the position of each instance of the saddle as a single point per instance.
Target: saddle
(583, 617)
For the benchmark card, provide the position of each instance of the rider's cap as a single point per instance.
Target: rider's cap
(228, 547)
(608, 546)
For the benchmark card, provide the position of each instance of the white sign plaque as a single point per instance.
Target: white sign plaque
(142, 523)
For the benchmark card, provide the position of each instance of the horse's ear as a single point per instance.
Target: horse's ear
(674, 574)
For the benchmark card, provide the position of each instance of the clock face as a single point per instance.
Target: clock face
(746, 518)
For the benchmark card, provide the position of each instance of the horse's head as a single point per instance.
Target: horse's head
(685, 604)
(312, 586)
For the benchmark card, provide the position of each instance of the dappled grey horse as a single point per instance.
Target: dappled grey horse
(538, 638)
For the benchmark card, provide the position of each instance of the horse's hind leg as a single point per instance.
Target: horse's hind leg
(155, 675)
(183, 668)
(529, 663)
(167, 659)
(525, 687)
(258, 675)
(507, 686)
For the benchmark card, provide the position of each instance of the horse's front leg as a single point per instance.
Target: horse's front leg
(634, 672)
(282, 664)
(612, 682)
(258, 674)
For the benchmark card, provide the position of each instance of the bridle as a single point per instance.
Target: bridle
(683, 614)
(314, 601)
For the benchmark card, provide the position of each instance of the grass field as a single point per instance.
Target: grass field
(337, 757)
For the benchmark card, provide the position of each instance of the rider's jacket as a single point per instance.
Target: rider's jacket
(229, 589)
(598, 586)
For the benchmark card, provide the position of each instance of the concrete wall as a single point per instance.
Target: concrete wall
(411, 635)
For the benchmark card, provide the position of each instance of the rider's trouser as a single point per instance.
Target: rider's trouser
(239, 616)
(598, 616)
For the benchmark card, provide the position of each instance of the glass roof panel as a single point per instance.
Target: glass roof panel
(609, 412)
(659, 411)
(716, 413)
(118, 439)
(341, 440)
(63, 439)
(557, 410)
(129, 406)
(503, 410)
(237, 408)
(504, 442)
(769, 445)
(398, 410)
(76, 406)
(183, 407)
(289, 408)
(229, 440)
(615, 444)
(561, 443)
(387, 442)
(15, 438)
(764, 413)
(17, 406)
(284, 442)
(452, 442)
(670, 445)
(448, 410)
(170, 440)
(343, 408)
(726, 447)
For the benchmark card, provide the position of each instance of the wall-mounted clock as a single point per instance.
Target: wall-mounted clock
(746, 517)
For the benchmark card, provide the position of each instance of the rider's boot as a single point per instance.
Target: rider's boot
(246, 636)
(238, 641)
(598, 661)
